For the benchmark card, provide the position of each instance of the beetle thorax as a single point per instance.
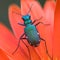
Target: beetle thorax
(27, 22)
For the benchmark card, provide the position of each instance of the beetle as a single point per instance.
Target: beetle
(32, 35)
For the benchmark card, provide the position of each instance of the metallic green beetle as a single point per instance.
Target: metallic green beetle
(31, 33)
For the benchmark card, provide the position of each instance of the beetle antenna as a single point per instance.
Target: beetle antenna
(18, 13)
(30, 8)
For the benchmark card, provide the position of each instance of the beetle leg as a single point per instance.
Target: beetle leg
(33, 21)
(46, 48)
(21, 24)
(19, 43)
(41, 23)
(37, 20)
(25, 44)
(37, 23)
(28, 49)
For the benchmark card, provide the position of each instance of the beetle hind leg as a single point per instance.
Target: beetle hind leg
(46, 49)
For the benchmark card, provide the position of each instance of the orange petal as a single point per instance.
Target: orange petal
(8, 43)
(56, 49)
(3, 55)
(49, 9)
(15, 18)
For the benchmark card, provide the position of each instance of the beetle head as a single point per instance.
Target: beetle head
(26, 17)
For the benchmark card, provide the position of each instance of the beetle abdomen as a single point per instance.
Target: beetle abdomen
(32, 35)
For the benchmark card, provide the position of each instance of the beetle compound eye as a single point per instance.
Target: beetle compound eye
(29, 17)
(22, 18)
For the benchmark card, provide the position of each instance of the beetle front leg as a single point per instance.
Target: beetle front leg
(33, 21)
(21, 24)
(41, 23)
(37, 20)
(19, 43)
(46, 48)
(38, 23)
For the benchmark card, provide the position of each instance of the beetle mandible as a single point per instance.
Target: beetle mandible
(31, 33)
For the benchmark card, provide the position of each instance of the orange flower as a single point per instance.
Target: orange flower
(56, 41)
(9, 41)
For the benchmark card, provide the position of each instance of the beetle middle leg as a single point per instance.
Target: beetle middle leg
(21, 38)
(46, 48)
(26, 46)
(19, 43)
